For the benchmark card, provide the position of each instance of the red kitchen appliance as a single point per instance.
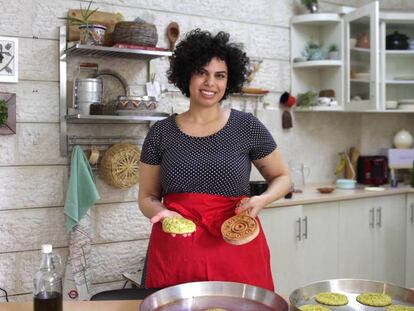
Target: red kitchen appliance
(372, 170)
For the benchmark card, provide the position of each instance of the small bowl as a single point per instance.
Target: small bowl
(326, 189)
(345, 183)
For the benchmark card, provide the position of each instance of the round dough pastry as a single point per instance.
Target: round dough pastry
(374, 299)
(240, 229)
(331, 299)
(314, 308)
(399, 308)
(178, 225)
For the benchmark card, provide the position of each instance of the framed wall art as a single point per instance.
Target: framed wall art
(9, 61)
(7, 113)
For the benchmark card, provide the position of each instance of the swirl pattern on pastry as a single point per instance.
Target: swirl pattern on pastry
(239, 229)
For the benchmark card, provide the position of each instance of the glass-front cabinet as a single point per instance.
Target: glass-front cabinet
(374, 67)
(397, 59)
(362, 66)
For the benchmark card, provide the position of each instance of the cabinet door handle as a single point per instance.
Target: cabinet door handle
(371, 217)
(299, 235)
(305, 223)
(412, 213)
(379, 214)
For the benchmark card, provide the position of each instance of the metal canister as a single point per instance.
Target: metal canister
(87, 90)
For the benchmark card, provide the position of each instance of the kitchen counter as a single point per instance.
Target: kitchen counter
(311, 195)
(119, 305)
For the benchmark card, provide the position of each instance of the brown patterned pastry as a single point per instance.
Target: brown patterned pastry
(240, 229)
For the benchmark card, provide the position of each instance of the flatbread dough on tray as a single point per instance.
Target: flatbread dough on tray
(374, 299)
(178, 225)
(399, 308)
(331, 299)
(314, 308)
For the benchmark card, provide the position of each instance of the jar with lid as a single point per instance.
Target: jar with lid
(47, 282)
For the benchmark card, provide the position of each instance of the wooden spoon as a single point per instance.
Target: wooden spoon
(173, 32)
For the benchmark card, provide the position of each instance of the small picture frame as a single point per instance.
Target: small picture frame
(9, 59)
(9, 127)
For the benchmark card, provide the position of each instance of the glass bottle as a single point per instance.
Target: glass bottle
(47, 282)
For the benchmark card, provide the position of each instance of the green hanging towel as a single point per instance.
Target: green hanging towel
(82, 192)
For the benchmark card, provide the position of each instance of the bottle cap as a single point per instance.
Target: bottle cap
(46, 248)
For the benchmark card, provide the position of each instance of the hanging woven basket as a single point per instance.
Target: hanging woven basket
(119, 165)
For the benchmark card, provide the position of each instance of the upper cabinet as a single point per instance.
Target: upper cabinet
(373, 71)
(361, 63)
(312, 69)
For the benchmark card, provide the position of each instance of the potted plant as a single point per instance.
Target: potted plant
(311, 5)
(90, 34)
(308, 99)
(333, 52)
(3, 112)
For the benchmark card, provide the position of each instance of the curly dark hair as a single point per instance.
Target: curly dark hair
(197, 49)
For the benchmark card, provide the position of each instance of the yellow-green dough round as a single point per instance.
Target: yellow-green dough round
(400, 308)
(313, 308)
(331, 299)
(178, 225)
(374, 299)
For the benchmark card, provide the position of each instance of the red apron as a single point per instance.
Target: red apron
(205, 256)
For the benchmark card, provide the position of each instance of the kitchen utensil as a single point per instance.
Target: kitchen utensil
(240, 229)
(345, 183)
(351, 288)
(397, 41)
(173, 32)
(230, 296)
(287, 122)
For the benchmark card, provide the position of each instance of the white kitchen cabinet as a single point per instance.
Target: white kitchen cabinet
(367, 75)
(397, 78)
(315, 75)
(372, 239)
(409, 259)
(298, 237)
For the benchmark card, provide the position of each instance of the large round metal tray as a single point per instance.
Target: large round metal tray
(351, 288)
(207, 295)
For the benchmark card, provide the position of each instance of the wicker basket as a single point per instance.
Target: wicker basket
(137, 33)
(119, 165)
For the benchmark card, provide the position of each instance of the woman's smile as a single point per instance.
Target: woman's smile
(208, 84)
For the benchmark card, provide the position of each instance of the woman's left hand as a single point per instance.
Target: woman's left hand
(252, 205)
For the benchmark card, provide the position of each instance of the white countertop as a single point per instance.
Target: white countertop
(311, 195)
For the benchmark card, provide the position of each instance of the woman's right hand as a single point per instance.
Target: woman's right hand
(167, 213)
(162, 214)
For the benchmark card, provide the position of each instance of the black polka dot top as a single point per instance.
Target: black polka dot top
(216, 164)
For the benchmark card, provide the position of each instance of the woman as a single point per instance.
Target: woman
(197, 165)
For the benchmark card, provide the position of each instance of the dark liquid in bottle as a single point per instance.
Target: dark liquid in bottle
(48, 301)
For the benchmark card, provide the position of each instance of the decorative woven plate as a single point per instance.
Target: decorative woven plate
(119, 165)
